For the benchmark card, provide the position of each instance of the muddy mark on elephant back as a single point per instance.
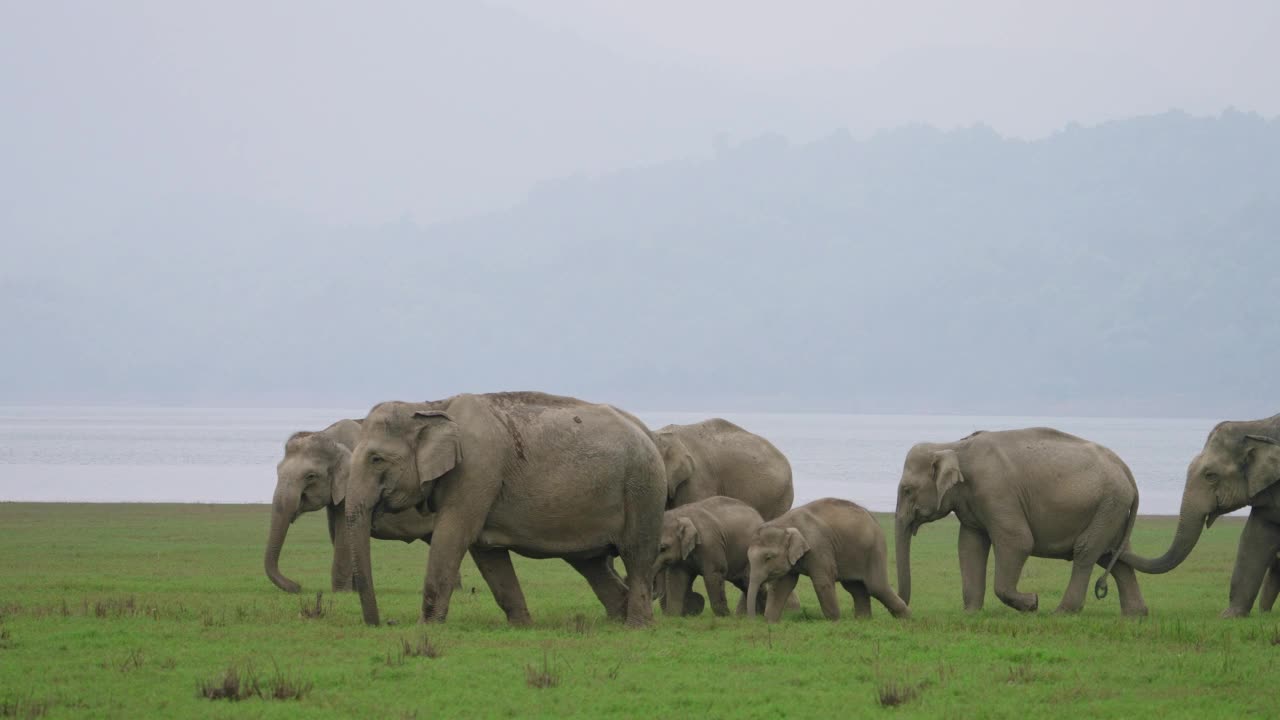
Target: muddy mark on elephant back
(516, 440)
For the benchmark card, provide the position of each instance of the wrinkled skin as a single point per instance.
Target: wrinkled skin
(541, 475)
(1239, 466)
(313, 476)
(707, 538)
(1032, 492)
(831, 541)
(718, 458)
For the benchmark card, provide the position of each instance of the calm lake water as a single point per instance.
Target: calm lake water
(229, 455)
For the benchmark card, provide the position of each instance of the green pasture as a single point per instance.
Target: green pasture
(125, 610)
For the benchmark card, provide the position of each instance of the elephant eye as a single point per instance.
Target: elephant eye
(311, 477)
(1211, 477)
(663, 547)
(375, 459)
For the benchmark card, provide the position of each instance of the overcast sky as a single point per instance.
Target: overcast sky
(370, 112)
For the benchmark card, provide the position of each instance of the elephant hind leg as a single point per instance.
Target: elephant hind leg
(861, 598)
(1102, 534)
(605, 583)
(1270, 587)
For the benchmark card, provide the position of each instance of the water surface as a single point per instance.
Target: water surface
(229, 455)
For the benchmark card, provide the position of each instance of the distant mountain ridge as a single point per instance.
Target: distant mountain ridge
(1131, 268)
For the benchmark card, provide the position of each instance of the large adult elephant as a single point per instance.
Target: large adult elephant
(718, 458)
(1031, 492)
(313, 476)
(715, 457)
(538, 474)
(1239, 466)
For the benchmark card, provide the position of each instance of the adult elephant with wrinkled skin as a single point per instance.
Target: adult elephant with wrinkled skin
(1031, 492)
(716, 457)
(1239, 466)
(538, 474)
(313, 476)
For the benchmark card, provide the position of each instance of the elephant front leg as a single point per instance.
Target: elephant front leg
(1009, 562)
(1257, 551)
(825, 587)
(776, 597)
(500, 575)
(444, 560)
(1270, 587)
(974, 548)
(679, 592)
(715, 592)
(610, 590)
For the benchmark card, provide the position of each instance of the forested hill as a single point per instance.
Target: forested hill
(1131, 268)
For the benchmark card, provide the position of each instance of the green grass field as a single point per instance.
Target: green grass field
(122, 610)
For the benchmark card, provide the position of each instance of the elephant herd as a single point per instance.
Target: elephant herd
(547, 476)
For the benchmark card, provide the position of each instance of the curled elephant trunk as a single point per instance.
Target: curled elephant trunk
(753, 590)
(1191, 521)
(282, 513)
(359, 522)
(902, 551)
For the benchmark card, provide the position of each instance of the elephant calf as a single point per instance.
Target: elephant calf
(707, 538)
(831, 541)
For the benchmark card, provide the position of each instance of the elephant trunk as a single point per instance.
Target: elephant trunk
(1191, 521)
(753, 589)
(282, 514)
(902, 550)
(359, 525)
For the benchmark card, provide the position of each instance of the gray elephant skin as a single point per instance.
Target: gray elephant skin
(718, 458)
(831, 541)
(1239, 466)
(708, 538)
(715, 457)
(1031, 492)
(313, 476)
(542, 475)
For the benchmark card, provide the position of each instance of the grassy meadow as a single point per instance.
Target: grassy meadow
(139, 611)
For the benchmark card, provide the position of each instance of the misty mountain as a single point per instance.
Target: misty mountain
(1126, 269)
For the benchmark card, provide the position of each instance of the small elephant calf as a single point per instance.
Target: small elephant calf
(707, 538)
(831, 541)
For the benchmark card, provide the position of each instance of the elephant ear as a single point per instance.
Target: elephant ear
(1262, 466)
(439, 450)
(689, 537)
(679, 462)
(797, 546)
(341, 472)
(946, 473)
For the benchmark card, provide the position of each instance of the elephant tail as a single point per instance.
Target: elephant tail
(1100, 587)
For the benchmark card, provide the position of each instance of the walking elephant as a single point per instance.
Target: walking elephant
(1032, 492)
(1239, 466)
(312, 476)
(707, 538)
(718, 458)
(831, 541)
(541, 475)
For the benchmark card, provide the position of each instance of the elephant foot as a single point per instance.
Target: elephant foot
(972, 609)
(1235, 613)
(1065, 610)
(1135, 612)
(694, 604)
(1028, 605)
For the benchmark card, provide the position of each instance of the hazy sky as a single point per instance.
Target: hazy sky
(365, 113)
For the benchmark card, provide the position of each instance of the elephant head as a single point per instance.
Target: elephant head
(678, 459)
(926, 492)
(1240, 460)
(402, 450)
(679, 538)
(312, 475)
(773, 552)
